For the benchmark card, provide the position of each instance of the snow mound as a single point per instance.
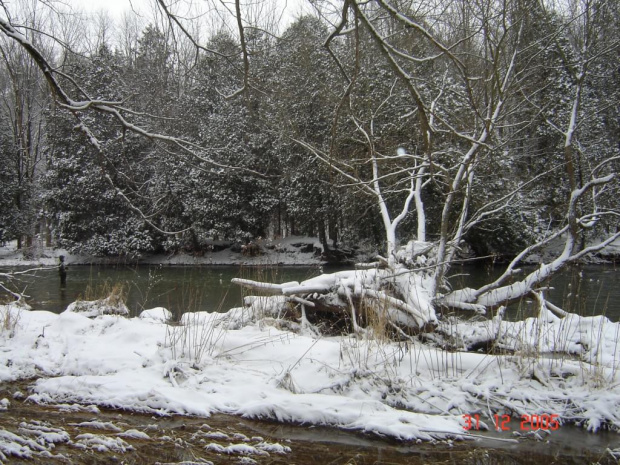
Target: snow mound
(235, 449)
(159, 314)
(93, 308)
(135, 434)
(101, 443)
(98, 425)
(43, 432)
(405, 390)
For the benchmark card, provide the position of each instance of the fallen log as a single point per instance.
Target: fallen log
(270, 288)
(397, 303)
(342, 294)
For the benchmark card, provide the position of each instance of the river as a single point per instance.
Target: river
(586, 290)
(178, 288)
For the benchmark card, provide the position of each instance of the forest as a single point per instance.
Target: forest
(483, 126)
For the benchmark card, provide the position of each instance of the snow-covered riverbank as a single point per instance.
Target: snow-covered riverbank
(238, 364)
(292, 250)
(267, 360)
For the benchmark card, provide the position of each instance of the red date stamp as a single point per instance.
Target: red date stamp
(503, 422)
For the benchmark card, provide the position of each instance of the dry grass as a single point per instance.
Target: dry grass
(114, 292)
(9, 317)
(196, 338)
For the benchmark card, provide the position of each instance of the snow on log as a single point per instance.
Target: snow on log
(307, 289)
(397, 303)
(338, 292)
(265, 287)
(299, 300)
(461, 300)
(369, 266)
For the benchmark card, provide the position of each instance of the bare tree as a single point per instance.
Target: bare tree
(467, 119)
(24, 99)
(585, 206)
(437, 131)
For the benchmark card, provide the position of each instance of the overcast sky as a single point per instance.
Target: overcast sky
(291, 8)
(115, 7)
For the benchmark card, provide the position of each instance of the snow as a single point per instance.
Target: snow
(101, 443)
(593, 340)
(120, 362)
(98, 425)
(260, 448)
(235, 449)
(246, 366)
(281, 251)
(158, 314)
(44, 434)
(12, 444)
(34, 438)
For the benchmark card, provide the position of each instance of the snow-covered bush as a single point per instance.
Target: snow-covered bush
(113, 304)
(94, 308)
(158, 314)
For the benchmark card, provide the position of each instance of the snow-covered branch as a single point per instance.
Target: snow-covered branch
(114, 109)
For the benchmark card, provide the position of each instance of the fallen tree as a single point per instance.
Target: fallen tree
(453, 137)
(400, 296)
(393, 293)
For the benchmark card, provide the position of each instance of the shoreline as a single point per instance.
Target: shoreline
(175, 436)
(289, 251)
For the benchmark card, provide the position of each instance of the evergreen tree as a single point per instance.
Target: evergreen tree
(83, 176)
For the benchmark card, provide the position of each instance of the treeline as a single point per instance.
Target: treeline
(238, 142)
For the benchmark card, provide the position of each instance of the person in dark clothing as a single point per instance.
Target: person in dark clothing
(62, 271)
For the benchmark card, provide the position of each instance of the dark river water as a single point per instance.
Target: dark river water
(180, 289)
(586, 290)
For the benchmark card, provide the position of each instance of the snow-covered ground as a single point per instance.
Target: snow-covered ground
(239, 364)
(292, 250)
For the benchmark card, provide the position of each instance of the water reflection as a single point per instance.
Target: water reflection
(178, 288)
(586, 290)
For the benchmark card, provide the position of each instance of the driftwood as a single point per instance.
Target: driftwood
(556, 310)
(269, 288)
(340, 295)
(397, 303)
(299, 300)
